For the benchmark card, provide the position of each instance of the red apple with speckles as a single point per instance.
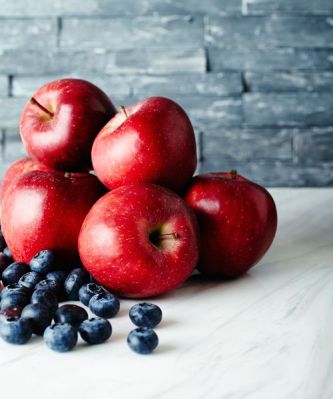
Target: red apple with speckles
(139, 241)
(152, 141)
(17, 168)
(45, 210)
(60, 122)
(237, 221)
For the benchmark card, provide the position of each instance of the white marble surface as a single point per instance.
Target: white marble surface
(267, 335)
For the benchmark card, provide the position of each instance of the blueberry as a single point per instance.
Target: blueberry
(142, 340)
(60, 337)
(15, 330)
(46, 298)
(9, 254)
(14, 272)
(71, 314)
(74, 281)
(30, 280)
(14, 299)
(51, 285)
(58, 275)
(104, 305)
(89, 290)
(43, 261)
(11, 288)
(39, 317)
(95, 331)
(4, 262)
(145, 315)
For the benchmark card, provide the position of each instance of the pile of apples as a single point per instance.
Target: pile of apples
(115, 191)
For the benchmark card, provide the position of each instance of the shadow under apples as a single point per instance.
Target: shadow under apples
(199, 285)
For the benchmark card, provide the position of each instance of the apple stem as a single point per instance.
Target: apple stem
(123, 109)
(33, 101)
(233, 173)
(167, 236)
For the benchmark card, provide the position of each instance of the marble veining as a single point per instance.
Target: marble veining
(267, 335)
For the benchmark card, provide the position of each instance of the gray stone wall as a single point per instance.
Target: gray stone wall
(256, 76)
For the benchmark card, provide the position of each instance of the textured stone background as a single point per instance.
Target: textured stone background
(256, 76)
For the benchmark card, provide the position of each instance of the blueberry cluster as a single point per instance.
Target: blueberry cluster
(29, 304)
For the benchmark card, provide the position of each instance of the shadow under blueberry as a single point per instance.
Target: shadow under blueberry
(166, 323)
(84, 346)
(164, 348)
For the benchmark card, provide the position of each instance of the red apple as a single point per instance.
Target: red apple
(45, 210)
(237, 222)
(17, 168)
(61, 120)
(139, 241)
(152, 141)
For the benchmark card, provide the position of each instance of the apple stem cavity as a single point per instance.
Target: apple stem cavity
(33, 101)
(123, 109)
(156, 237)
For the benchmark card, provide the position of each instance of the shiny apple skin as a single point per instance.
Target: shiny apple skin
(114, 242)
(45, 210)
(237, 221)
(17, 168)
(63, 142)
(154, 144)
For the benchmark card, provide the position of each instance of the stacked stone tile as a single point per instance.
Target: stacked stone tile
(255, 76)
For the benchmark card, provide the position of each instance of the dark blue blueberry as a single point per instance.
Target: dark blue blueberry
(89, 290)
(95, 331)
(11, 288)
(14, 272)
(39, 317)
(60, 337)
(46, 298)
(30, 280)
(142, 340)
(4, 262)
(43, 261)
(145, 315)
(104, 305)
(51, 285)
(15, 330)
(58, 275)
(9, 254)
(15, 299)
(74, 281)
(71, 314)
